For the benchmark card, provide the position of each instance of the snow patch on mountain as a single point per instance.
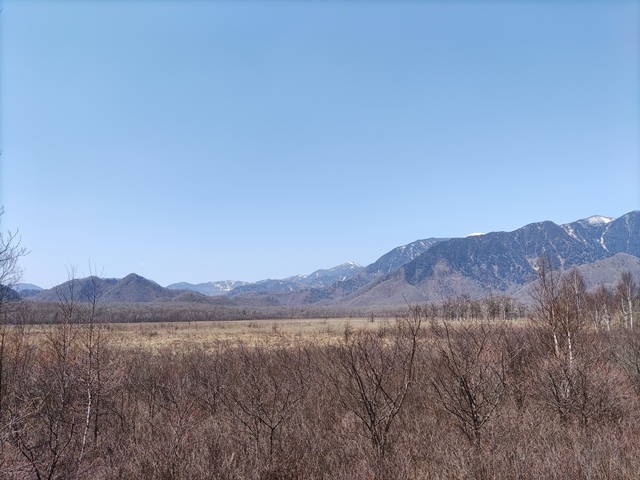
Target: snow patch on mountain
(567, 228)
(599, 220)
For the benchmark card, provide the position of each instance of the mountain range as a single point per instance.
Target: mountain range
(425, 270)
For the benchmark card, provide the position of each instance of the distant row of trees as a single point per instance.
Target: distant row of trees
(562, 293)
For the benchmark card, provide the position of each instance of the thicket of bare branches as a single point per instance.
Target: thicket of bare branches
(432, 395)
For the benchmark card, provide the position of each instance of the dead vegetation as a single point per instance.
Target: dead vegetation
(427, 394)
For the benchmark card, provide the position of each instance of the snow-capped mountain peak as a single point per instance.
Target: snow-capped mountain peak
(599, 220)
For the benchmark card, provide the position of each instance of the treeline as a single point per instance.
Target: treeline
(429, 396)
(49, 312)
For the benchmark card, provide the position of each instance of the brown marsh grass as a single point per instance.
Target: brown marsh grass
(205, 335)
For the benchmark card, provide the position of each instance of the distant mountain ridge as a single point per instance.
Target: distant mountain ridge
(323, 277)
(131, 289)
(318, 279)
(425, 270)
(482, 264)
(209, 288)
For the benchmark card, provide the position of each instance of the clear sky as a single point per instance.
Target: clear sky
(212, 140)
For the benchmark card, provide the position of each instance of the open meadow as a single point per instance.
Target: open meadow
(206, 335)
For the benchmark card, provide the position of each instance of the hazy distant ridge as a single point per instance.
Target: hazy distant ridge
(209, 288)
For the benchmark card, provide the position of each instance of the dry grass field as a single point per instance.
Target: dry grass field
(176, 337)
(200, 335)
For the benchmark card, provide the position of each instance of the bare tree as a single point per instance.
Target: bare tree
(601, 306)
(546, 299)
(10, 273)
(267, 388)
(560, 302)
(98, 371)
(10, 254)
(627, 297)
(470, 377)
(372, 375)
(11, 340)
(572, 308)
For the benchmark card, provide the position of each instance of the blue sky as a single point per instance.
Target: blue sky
(211, 140)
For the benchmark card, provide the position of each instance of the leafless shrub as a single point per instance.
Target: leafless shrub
(371, 376)
(262, 390)
(470, 376)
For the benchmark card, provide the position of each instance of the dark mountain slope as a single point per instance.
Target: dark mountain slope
(81, 289)
(502, 262)
(132, 288)
(623, 235)
(501, 259)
